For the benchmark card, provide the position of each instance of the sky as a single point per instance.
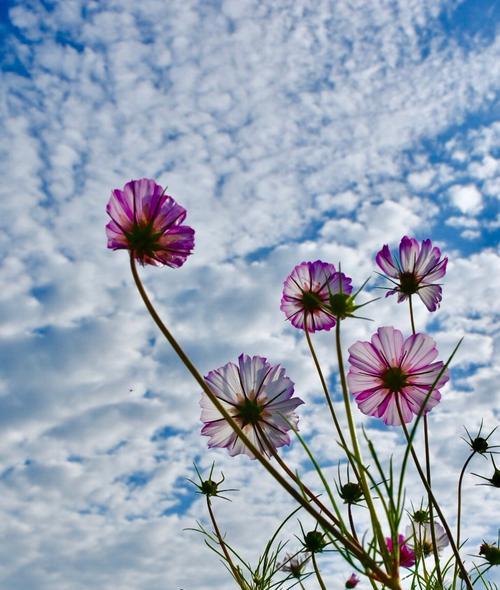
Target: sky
(290, 131)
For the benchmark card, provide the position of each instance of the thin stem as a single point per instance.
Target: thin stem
(431, 511)
(351, 521)
(357, 452)
(293, 476)
(412, 319)
(316, 570)
(328, 397)
(432, 498)
(363, 557)
(459, 510)
(428, 473)
(234, 569)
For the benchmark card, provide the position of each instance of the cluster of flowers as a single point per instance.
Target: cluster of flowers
(391, 377)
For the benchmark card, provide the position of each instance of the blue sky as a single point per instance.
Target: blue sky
(290, 131)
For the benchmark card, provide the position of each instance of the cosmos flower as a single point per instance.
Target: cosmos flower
(406, 555)
(415, 271)
(420, 538)
(390, 368)
(148, 222)
(306, 295)
(352, 581)
(259, 398)
(294, 565)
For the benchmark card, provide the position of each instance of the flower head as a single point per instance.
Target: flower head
(494, 480)
(294, 565)
(491, 553)
(352, 581)
(147, 222)
(389, 370)
(420, 538)
(306, 295)
(314, 541)
(259, 398)
(415, 271)
(406, 555)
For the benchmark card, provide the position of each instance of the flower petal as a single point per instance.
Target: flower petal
(386, 262)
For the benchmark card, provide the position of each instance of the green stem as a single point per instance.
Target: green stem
(234, 569)
(428, 474)
(357, 453)
(314, 497)
(316, 570)
(459, 510)
(328, 397)
(325, 524)
(432, 498)
(431, 510)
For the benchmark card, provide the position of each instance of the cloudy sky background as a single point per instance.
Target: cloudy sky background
(291, 131)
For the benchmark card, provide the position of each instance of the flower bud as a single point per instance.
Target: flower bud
(491, 553)
(314, 542)
(352, 581)
(420, 516)
(351, 492)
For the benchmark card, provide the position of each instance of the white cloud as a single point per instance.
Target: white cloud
(278, 127)
(467, 198)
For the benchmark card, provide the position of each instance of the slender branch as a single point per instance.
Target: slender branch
(328, 397)
(459, 509)
(314, 497)
(363, 557)
(357, 453)
(316, 570)
(351, 521)
(428, 474)
(465, 575)
(431, 510)
(234, 569)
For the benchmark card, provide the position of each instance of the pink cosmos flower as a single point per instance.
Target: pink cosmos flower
(406, 555)
(148, 222)
(306, 295)
(390, 368)
(259, 397)
(352, 581)
(415, 271)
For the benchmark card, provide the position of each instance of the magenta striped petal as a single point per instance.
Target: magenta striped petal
(416, 270)
(306, 293)
(390, 369)
(148, 223)
(259, 397)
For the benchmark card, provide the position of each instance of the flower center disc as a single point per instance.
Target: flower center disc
(408, 283)
(142, 239)
(394, 379)
(250, 412)
(310, 301)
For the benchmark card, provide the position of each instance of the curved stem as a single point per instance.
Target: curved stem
(357, 453)
(459, 509)
(329, 399)
(316, 570)
(363, 557)
(432, 498)
(234, 569)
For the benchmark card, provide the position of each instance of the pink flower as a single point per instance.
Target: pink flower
(148, 223)
(352, 581)
(390, 368)
(259, 398)
(416, 270)
(306, 295)
(406, 555)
